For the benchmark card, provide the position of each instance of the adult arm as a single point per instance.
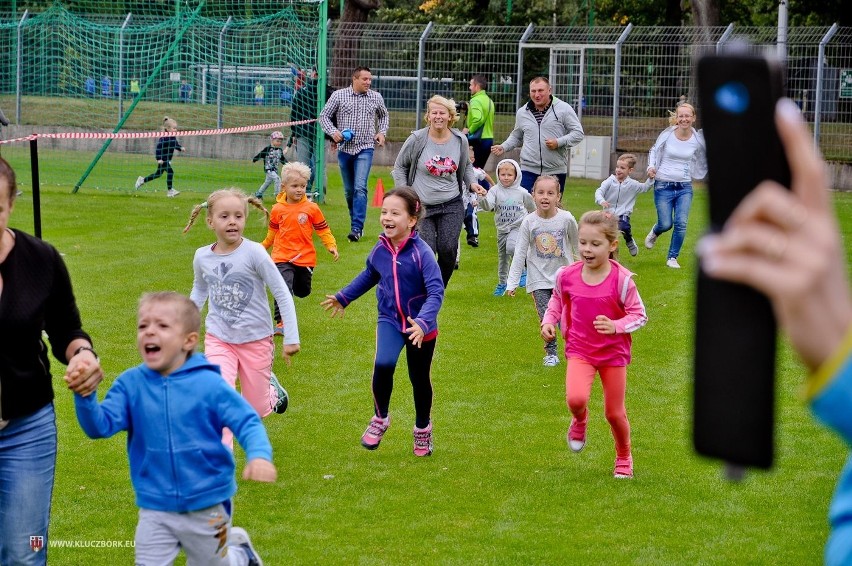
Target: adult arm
(329, 110)
(402, 165)
(574, 133)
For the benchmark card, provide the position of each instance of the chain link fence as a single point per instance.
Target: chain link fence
(622, 81)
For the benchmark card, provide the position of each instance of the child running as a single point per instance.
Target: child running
(510, 203)
(409, 292)
(174, 407)
(617, 195)
(272, 156)
(597, 305)
(547, 240)
(233, 275)
(166, 147)
(470, 200)
(292, 223)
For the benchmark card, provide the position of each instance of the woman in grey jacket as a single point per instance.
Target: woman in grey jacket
(434, 161)
(678, 156)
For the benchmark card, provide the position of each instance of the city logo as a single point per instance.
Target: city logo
(36, 543)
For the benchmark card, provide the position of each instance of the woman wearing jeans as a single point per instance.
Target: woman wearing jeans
(435, 162)
(678, 156)
(35, 296)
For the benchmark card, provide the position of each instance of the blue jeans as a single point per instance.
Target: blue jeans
(27, 464)
(528, 179)
(355, 169)
(673, 201)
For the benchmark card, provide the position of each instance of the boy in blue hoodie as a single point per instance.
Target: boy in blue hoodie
(174, 407)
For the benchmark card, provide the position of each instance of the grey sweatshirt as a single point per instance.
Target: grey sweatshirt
(559, 122)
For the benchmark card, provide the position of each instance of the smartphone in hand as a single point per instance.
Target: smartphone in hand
(735, 328)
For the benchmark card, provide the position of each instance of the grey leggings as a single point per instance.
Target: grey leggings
(541, 298)
(440, 228)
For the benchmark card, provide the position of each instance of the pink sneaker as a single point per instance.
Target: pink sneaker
(374, 433)
(623, 468)
(577, 434)
(423, 441)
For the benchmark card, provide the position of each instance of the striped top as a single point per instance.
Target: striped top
(363, 113)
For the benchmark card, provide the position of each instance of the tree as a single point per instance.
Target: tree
(348, 45)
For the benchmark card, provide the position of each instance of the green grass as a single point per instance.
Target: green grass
(501, 487)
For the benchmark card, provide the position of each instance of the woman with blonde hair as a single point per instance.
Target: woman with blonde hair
(678, 156)
(434, 161)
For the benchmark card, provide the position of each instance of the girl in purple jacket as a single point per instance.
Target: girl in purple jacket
(409, 291)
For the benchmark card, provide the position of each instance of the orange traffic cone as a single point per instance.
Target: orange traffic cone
(379, 195)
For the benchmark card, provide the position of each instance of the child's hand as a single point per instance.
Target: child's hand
(331, 303)
(259, 469)
(288, 351)
(415, 333)
(510, 292)
(652, 172)
(478, 189)
(604, 325)
(334, 252)
(548, 332)
(83, 373)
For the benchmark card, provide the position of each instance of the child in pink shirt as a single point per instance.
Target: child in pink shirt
(598, 306)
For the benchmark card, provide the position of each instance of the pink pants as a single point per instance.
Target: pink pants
(252, 362)
(578, 389)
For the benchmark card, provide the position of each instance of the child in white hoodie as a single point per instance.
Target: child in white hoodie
(510, 203)
(618, 193)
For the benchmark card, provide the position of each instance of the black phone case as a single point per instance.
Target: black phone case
(735, 328)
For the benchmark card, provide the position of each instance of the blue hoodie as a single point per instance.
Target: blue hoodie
(409, 284)
(174, 433)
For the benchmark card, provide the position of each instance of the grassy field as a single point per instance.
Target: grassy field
(502, 486)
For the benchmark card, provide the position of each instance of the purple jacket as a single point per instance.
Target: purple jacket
(408, 284)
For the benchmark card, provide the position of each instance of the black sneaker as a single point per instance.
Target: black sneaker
(354, 236)
(473, 241)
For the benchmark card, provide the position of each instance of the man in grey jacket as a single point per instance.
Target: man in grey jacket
(545, 128)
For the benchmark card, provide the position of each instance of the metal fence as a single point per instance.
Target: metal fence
(622, 81)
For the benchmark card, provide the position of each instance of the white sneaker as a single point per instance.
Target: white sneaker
(550, 360)
(672, 262)
(650, 239)
(632, 248)
(140, 181)
(239, 538)
(172, 193)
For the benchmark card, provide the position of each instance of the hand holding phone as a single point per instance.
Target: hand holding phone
(735, 336)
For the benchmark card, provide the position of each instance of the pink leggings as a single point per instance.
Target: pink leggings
(578, 389)
(252, 362)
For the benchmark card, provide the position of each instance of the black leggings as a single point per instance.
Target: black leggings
(440, 228)
(389, 343)
(166, 167)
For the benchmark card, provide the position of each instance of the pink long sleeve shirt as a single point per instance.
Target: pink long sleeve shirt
(575, 304)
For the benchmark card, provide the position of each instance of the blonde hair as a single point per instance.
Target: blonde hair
(296, 169)
(216, 196)
(169, 124)
(606, 223)
(447, 103)
(628, 158)
(673, 115)
(187, 311)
